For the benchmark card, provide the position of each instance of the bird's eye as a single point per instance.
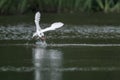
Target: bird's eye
(41, 34)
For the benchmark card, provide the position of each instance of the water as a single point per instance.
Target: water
(67, 34)
(74, 52)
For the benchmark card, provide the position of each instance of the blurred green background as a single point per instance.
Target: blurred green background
(69, 11)
(58, 6)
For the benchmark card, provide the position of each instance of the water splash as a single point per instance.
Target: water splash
(68, 33)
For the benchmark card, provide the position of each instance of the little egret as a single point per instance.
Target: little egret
(39, 34)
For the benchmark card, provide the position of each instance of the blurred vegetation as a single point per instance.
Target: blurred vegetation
(58, 6)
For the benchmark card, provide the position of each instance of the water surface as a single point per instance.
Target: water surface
(74, 52)
(67, 34)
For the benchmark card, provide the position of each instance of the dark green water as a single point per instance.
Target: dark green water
(74, 52)
(59, 63)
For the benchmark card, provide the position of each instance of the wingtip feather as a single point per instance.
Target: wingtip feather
(37, 16)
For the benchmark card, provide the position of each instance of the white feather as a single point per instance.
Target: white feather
(53, 26)
(40, 32)
(37, 19)
(38, 28)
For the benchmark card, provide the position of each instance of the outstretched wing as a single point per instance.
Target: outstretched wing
(37, 19)
(53, 26)
(38, 28)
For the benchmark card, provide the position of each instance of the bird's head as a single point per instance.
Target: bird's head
(39, 36)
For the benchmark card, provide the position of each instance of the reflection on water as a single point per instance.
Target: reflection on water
(80, 62)
(46, 63)
(90, 53)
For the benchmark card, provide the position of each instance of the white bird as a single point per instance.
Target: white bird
(40, 32)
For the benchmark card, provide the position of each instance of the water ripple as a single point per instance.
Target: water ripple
(66, 45)
(66, 33)
(29, 69)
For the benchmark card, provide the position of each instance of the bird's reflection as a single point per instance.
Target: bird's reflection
(47, 63)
